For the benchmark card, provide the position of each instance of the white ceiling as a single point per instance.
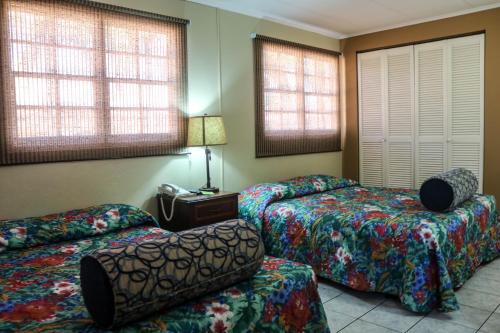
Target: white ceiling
(345, 18)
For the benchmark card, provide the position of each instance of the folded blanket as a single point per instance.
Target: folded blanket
(254, 200)
(70, 225)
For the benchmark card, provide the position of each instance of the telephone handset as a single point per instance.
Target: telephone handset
(174, 191)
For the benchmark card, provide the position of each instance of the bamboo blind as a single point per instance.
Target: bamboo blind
(297, 98)
(87, 81)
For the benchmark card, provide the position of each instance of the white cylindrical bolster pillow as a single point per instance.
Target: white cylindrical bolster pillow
(125, 283)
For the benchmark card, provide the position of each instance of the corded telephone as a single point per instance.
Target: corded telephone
(174, 191)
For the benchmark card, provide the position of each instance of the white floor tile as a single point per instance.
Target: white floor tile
(477, 299)
(466, 316)
(354, 304)
(391, 314)
(488, 272)
(494, 264)
(431, 325)
(484, 285)
(361, 326)
(492, 325)
(328, 291)
(337, 320)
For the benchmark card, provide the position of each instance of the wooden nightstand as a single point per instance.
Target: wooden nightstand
(196, 211)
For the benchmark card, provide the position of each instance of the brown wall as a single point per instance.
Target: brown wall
(487, 21)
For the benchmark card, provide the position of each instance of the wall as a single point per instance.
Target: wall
(30, 190)
(241, 168)
(488, 21)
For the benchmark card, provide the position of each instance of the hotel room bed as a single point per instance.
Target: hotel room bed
(40, 289)
(375, 239)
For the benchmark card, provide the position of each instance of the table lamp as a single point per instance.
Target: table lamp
(206, 131)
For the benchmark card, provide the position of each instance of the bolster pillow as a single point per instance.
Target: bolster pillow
(125, 283)
(447, 190)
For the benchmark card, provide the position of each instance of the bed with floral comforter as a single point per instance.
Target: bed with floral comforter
(375, 239)
(40, 291)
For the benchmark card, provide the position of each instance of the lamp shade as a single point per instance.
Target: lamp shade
(206, 131)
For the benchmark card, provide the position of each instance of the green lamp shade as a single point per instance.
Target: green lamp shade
(206, 131)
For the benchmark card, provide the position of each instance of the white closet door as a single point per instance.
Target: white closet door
(400, 118)
(465, 100)
(421, 111)
(371, 118)
(430, 107)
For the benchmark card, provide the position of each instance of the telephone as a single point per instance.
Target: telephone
(174, 191)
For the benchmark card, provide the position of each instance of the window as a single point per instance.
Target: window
(297, 98)
(89, 81)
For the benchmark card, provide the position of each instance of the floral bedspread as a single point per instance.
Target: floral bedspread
(40, 289)
(375, 239)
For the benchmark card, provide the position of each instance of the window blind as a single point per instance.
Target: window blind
(81, 80)
(297, 98)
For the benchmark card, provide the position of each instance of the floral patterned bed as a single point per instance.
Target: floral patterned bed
(375, 239)
(39, 282)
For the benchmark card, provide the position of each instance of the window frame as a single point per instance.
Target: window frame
(284, 142)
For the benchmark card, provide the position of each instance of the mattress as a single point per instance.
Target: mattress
(375, 239)
(40, 288)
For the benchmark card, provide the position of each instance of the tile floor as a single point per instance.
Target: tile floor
(350, 311)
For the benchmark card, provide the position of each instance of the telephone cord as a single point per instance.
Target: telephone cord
(168, 218)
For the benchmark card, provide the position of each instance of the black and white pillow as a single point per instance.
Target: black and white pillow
(447, 190)
(128, 282)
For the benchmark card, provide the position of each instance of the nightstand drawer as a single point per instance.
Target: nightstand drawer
(216, 209)
(196, 211)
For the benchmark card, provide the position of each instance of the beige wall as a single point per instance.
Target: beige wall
(487, 21)
(44, 188)
(241, 168)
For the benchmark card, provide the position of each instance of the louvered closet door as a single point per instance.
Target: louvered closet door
(465, 101)
(371, 120)
(430, 109)
(399, 164)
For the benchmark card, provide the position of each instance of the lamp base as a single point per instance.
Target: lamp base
(210, 189)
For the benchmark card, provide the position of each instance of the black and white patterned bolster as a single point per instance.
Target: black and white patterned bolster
(448, 190)
(125, 283)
